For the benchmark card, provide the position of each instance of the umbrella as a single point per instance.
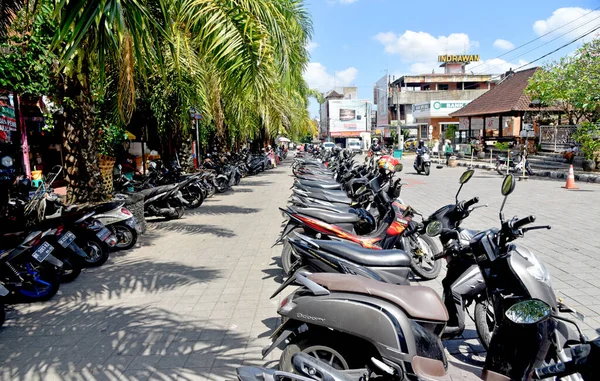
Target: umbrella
(284, 140)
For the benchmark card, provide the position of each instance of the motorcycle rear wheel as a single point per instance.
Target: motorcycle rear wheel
(96, 250)
(335, 352)
(33, 290)
(501, 169)
(126, 236)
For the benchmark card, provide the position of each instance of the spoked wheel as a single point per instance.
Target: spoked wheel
(332, 352)
(126, 236)
(484, 322)
(422, 251)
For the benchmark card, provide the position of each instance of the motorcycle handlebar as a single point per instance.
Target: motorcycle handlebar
(522, 222)
(554, 370)
(471, 202)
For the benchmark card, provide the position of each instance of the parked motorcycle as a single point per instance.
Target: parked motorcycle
(515, 165)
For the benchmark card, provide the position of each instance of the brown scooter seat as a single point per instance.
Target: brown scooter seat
(419, 302)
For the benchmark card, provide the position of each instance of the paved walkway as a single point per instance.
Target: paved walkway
(192, 302)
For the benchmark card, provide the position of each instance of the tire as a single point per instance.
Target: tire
(501, 169)
(126, 236)
(96, 250)
(484, 322)
(427, 169)
(39, 292)
(416, 265)
(193, 198)
(287, 255)
(71, 269)
(222, 185)
(324, 346)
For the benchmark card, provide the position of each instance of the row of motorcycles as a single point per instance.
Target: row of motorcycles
(44, 242)
(356, 315)
(168, 191)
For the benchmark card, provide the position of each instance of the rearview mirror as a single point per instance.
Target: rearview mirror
(508, 185)
(398, 168)
(530, 311)
(466, 176)
(361, 190)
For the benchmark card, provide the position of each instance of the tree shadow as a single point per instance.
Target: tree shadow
(243, 190)
(276, 274)
(135, 275)
(257, 183)
(88, 342)
(185, 228)
(216, 210)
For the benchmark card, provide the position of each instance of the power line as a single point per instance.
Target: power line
(559, 48)
(539, 46)
(544, 35)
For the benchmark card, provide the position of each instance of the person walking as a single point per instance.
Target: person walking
(448, 151)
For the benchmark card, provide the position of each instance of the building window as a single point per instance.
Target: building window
(426, 87)
(424, 131)
(443, 86)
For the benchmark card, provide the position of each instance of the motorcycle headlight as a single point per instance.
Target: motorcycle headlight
(537, 269)
(7, 161)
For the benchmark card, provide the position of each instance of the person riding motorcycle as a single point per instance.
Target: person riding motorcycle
(375, 147)
(421, 150)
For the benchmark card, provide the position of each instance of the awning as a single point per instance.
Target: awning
(130, 136)
(284, 140)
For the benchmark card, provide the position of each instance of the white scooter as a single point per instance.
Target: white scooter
(425, 165)
(122, 224)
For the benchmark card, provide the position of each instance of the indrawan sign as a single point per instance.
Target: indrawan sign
(458, 58)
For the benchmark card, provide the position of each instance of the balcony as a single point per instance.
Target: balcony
(415, 97)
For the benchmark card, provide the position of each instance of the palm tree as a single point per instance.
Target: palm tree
(8, 11)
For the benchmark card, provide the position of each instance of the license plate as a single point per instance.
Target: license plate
(103, 234)
(66, 239)
(42, 252)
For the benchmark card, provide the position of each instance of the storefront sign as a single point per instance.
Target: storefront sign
(436, 109)
(463, 58)
(7, 118)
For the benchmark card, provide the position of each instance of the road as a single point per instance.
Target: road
(192, 301)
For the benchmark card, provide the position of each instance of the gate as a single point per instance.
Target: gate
(556, 138)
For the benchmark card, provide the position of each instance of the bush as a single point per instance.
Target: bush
(588, 137)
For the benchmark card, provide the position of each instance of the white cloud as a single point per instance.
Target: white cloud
(348, 1)
(581, 20)
(311, 46)
(503, 44)
(423, 47)
(493, 66)
(317, 77)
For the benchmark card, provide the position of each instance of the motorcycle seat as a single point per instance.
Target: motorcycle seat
(366, 257)
(320, 195)
(157, 190)
(327, 216)
(417, 301)
(325, 184)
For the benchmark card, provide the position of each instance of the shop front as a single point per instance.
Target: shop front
(433, 120)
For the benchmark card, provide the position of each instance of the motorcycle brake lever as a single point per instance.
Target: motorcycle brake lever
(478, 206)
(536, 228)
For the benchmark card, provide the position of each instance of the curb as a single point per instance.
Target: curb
(555, 175)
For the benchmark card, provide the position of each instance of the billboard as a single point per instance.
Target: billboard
(437, 109)
(381, 100)
(349, 115)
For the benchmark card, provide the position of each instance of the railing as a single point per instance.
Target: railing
(556, 138)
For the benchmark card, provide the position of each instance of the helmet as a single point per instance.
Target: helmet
(269, 146)
(337, 149)
(421, 143)
(208, 155)
(389, 164)
(152, 165)
(375, 141)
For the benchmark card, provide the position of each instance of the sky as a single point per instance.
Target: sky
(356, 42)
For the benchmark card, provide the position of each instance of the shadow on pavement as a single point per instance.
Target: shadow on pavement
(87, 342)
(221, 209)
(184, 228)
(135, 275)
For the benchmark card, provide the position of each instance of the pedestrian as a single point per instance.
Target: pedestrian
(570, 153)
(448, 151)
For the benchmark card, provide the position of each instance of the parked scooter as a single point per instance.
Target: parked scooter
(515, 164)
(164, 201)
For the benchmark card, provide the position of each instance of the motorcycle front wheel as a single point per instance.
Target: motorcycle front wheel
(422, 251)
(484, 322)
(427, 169)
(501, 169)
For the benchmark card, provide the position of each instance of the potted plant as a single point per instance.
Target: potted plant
(109, 137)
(588, 138)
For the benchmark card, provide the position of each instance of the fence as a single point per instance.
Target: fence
(556, 138)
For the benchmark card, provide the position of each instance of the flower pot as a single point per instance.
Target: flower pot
(588, 165)
(452, 161)
(460, 154)
(481, 155)
(107, 164)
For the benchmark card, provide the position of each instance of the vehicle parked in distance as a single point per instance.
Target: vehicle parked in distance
(328, 146)
(411, 144)
(354, 145)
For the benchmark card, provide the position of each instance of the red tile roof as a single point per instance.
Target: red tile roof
(506, 97)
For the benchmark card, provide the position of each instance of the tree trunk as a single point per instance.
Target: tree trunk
(84, 181)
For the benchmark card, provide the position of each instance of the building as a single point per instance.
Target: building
(344, 116)
(502, 113)
(423, 103)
